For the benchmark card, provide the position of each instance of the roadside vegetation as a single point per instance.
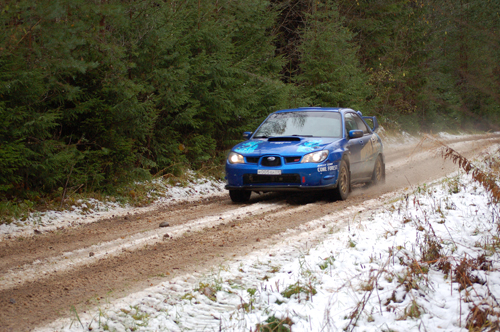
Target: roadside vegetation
(98, 95)
(133, 194)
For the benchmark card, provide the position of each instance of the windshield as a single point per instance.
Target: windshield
(308, 124)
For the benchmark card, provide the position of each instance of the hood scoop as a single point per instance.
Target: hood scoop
(284, 139)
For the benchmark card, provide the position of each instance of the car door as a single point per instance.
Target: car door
(367, 154)
(355, 146)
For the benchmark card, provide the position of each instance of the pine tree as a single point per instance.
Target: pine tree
(466, 49)
(214, 75)
(330, 73)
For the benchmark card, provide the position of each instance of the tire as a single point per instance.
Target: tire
(240, 196)
(343, 182)
(378, 175)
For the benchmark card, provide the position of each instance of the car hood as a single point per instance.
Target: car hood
(285, 146)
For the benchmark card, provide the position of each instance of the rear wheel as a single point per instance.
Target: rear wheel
(378, 172)
(240, 196)
(343, 182)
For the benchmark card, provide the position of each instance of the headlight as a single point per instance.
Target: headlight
(235, 158)
(315, 157)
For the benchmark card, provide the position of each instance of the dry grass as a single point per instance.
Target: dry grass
(484, 318)
(485, 312)
(274, 324)
(485, 179)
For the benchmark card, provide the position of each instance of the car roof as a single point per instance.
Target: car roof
(312, 109)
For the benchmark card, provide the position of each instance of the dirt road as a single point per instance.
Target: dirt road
(44, 276)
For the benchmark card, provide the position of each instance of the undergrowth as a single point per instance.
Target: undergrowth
(134, 194)
(274, 324)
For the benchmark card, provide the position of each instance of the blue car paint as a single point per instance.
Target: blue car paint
(323, 175)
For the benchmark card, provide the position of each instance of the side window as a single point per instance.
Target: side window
(350, 123)
(360, 124)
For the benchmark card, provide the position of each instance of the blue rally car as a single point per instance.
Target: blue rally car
(314, 148)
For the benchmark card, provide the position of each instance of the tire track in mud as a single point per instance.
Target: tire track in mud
(42, 298)
(136, 240)
(21, 250)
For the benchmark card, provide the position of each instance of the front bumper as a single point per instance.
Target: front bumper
(294, 177)
(281, 188)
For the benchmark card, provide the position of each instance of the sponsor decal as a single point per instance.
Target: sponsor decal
(248, 147)
(327, 168)
(309, 146)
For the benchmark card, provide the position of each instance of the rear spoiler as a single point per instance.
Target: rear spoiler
(372, 119)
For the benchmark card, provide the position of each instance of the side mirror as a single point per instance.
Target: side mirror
(247, 135)
(355, 133)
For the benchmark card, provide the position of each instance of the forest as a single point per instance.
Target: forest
(99, 93)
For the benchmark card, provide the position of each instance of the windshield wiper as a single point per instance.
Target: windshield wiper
(263, 136)
(304, 135)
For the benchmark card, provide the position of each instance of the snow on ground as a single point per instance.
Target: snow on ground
(397, 139)
(92, 210)
(401, 140)
(425, 261)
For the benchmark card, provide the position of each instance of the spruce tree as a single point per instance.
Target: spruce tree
(330, 73)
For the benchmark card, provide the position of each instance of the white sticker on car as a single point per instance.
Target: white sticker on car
(269, 171)
(329, 167)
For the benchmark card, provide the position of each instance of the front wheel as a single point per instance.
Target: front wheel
(343, 182)
(240, 196)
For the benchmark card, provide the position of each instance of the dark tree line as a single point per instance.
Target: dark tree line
(98, 93)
